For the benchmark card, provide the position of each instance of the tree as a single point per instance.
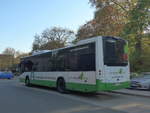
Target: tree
(128, 19)
(9, 51)
(37, 42)
(138, 22)
(135, 32)
(10, 58)
(109, 23)
(53, 38)
(85, 31)
(110, 18)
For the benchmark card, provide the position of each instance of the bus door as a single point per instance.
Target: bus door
(32, 75)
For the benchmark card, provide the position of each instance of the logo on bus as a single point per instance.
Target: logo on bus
(81, 77)
(120, 71)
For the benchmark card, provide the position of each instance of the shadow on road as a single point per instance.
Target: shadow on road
(101, 96)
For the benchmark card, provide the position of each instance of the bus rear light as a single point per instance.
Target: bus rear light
(99, 72)
(125, 57)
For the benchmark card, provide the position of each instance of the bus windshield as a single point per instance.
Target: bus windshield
(115, 51)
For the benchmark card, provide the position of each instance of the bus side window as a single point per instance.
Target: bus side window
(35, 65)
(21, 67)
(50, 64)
(81, 58)
(73, 61)
(86, 62)
(29, 65)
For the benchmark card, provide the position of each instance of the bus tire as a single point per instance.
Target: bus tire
(27, 82)
(61, 85)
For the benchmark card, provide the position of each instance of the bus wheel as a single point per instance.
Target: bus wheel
(61, 85)
(27, 81)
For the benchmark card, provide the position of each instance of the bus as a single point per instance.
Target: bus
(95, 64)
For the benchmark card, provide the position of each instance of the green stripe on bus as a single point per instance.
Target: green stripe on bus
(84, 87)
(111, 86)
(98, 87)
(81, 87)
(21, 79)
(44, 83)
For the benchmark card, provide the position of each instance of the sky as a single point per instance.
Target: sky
(20, 20)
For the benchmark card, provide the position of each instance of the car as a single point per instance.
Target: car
(142, 82)
(6, 75)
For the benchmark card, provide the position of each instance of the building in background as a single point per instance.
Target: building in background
(6, 61)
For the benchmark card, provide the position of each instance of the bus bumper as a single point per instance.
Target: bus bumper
(111, 86)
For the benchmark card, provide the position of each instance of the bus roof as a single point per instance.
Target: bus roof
(85, 41)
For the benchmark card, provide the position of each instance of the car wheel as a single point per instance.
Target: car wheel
(61, 85)
(27, 81)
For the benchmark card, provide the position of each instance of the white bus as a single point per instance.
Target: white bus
(94, 64)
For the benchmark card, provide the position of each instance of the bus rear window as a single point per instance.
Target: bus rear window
(115, 52)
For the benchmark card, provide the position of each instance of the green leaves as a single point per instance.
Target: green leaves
(129, 19)
(53, 38)
(134, 31)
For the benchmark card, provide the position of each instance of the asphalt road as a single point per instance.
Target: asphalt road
(17, 98)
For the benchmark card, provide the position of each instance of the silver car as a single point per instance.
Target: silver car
(142, 82)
